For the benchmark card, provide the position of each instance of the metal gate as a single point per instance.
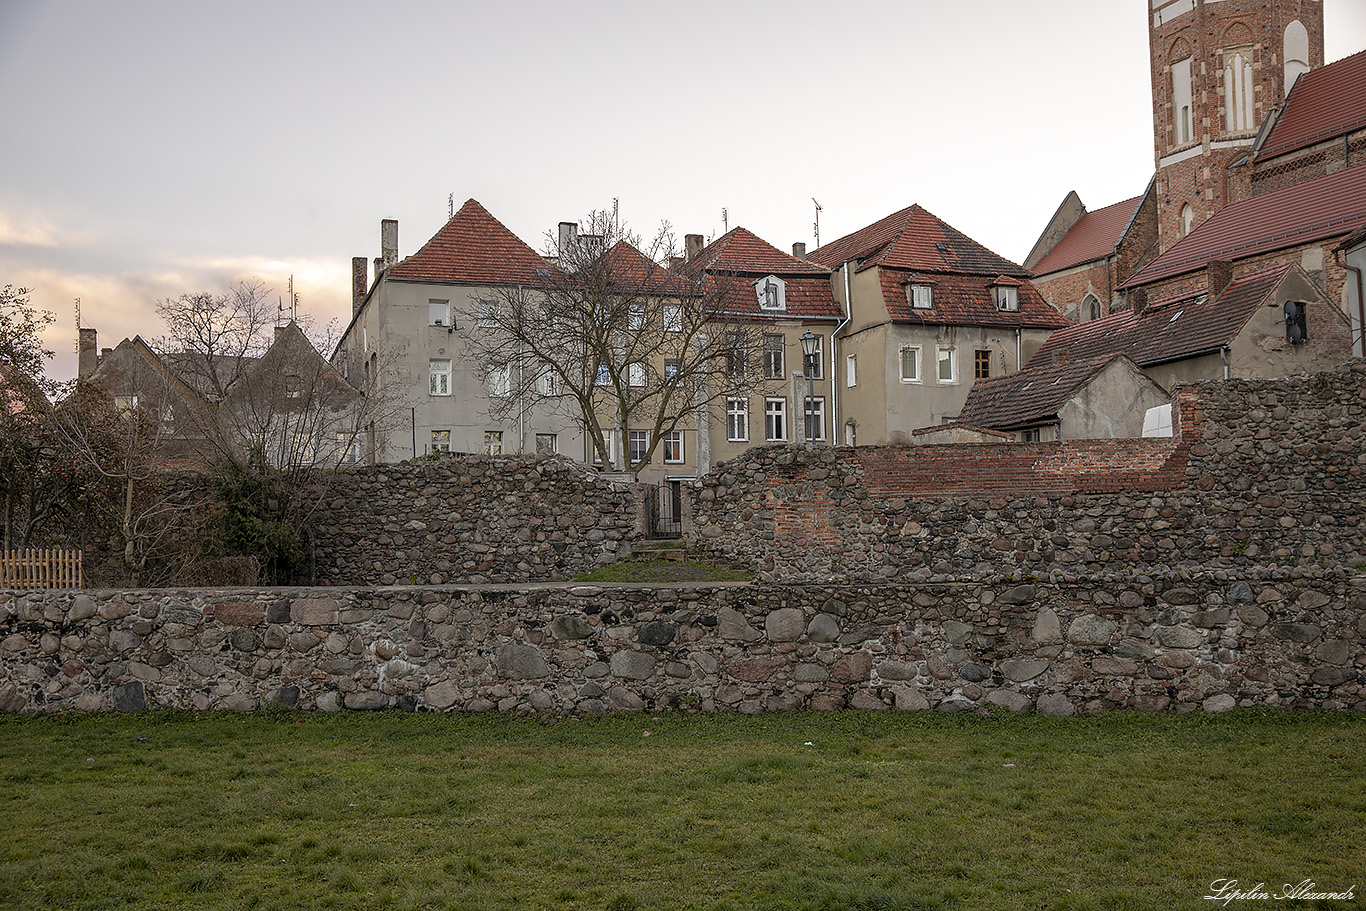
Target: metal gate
(664, 510)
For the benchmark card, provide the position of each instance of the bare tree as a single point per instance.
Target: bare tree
(614, 337)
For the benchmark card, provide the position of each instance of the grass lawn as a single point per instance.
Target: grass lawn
(783, 811)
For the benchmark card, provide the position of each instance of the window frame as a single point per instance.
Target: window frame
(817, 359)
(636, 375)
(737, 420)
(775, 417)
(775, 302)
(672, 317)
(919, 364)
(951, 360)
(437, 441)
(498, 382)
(488, 315)
(635, 316)
(672, 442)
(444, 321)
(813, 414)
(433, 374)
(981, 364)
(775, 358)
(554, 447)
(850, 371)
(637, 453)
(493, 443)
(913, 293)
(1007, 298)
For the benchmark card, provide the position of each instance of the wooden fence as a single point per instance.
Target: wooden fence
(41, 568)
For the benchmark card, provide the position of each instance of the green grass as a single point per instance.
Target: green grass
(665, 571)
(784, 811)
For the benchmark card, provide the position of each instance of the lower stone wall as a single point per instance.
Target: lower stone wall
(1207, 641)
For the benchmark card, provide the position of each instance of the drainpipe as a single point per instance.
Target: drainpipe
(836, 428)
(1223, 356)
(1361, 301)
(1018, 334)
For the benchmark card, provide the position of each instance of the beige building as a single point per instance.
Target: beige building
(930, 312)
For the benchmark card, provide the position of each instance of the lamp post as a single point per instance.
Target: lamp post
(809, 367)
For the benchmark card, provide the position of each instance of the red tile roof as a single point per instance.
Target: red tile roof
(1030, 396)
(635, 272)
(1324, 103)
(915, 239)
(805, 298)
(742, 253)
(1316, 209)
(1093, 236)
(966, 300)
(472, 248)
(1165, 331)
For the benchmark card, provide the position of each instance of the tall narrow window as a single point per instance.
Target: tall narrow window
(948, 365)
(1187, 220)
(672, 317)
(546, 382)
(636, 374)
(814, 409)
(635, 316)
(773, 356)
(1007, 298)
(1296, 53)
(500, 380)
(910, 364)
(640, 445)
(981, 364)
(775, 420)
(815, 370)
(1238, 98)
(440, 375)
(488, 315)
(673, 446)
(1181, 102)
(737, 420)
(851, 371)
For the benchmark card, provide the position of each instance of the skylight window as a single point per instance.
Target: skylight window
(1175, 316)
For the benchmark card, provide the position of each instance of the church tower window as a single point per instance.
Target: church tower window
(1238, 111)
(1296, 53)
(1181, 102)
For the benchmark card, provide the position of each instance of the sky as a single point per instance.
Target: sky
(155, 149)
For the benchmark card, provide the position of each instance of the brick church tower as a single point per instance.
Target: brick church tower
(1218, 68)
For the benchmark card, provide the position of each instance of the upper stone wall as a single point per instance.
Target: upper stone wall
(1265, 471)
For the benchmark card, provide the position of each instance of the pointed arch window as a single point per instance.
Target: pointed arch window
(1238, 92)
(1183, 125)
(1296, 53)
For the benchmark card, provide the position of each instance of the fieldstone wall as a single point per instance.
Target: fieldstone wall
(1184, 642)
(1265, 472)
(474, 519)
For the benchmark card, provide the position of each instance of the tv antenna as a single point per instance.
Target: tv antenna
(725, 221)
(450, 206)
(818, 222)
(293, 305)
(78, 327)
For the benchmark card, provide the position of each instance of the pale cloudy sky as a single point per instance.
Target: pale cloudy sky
(156, 147)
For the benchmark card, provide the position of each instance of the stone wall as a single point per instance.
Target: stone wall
(472, 519)
(1264, 472)
(1184, 642)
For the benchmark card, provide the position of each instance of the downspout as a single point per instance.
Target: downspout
(1018, 333)
(521, 380)
(1361, 301)
(836, 428)
(1223, 356)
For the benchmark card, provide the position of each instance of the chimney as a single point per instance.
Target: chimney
(105, 352)
(87, 359)
(359, 283)
(799, 250)
(692, 245)
(569, 235)
(676, 261)
(1220, 276)
(388, 241)
(379, 267)
(279, 331)
(1138, 300)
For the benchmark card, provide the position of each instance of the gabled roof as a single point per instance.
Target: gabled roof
(1169, 330)
(1316, 209)
(917, 240)
(742, 253)
(1031, 396)
(1324, 103)
(635, 272)
(966, 300)
(1093, 236)
(472, 248)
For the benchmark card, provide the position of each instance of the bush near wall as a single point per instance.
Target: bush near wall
(471, 519)
(1265, 472)
(1182, 642)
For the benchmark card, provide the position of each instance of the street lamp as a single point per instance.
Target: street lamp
(809, 342)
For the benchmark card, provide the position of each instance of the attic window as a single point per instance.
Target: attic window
(293, 386)
(1007, 298)
(771, 292)
(1175, 316)
(921, 296)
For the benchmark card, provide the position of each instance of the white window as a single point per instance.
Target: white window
(670, 368)
(1296, 53)
(1181, 102)
(673, 318)
(922, 297)
(125, 402)
(910, 364)
(814, 410)
(640, 444)
(737, 420)
(1157, 422)
(775, 420)
(851, 371)
(440, 374)
(441, 441)
(772, 293)
(948, 365)
(499, 380)
(347, 448)
(1007, 298)
(604, 377)
(635, 316)
(546, 382)
(438, 312)
(546, 444)
(774, 368)
(636, 374)
(814, 368)
(673, 447)
(734, 347)
(609, 440)
(488, 315)
(493, 442)
(1238, 90)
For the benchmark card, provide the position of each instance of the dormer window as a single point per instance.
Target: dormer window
(772, 293)
(921, 296)
(1007, 297)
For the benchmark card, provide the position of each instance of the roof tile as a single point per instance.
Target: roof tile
(915, 239)
(1031, 395)
(472, 248)
(1324, 103)
(1093, 236)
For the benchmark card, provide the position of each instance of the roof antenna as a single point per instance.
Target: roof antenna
(725, 220)
(616, 222)
(78, 327)
(450, 207)
(818, 222)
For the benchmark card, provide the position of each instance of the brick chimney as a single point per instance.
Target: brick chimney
(692, 245)
(1138, 300)
(1220, 276)
(87, 358)
(568, 236)
(388, 241)
(799, 250)
(360, 283)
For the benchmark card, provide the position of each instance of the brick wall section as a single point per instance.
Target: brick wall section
(1179, 641)
(1264, 471)
(1315, 161)
(471, 519)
